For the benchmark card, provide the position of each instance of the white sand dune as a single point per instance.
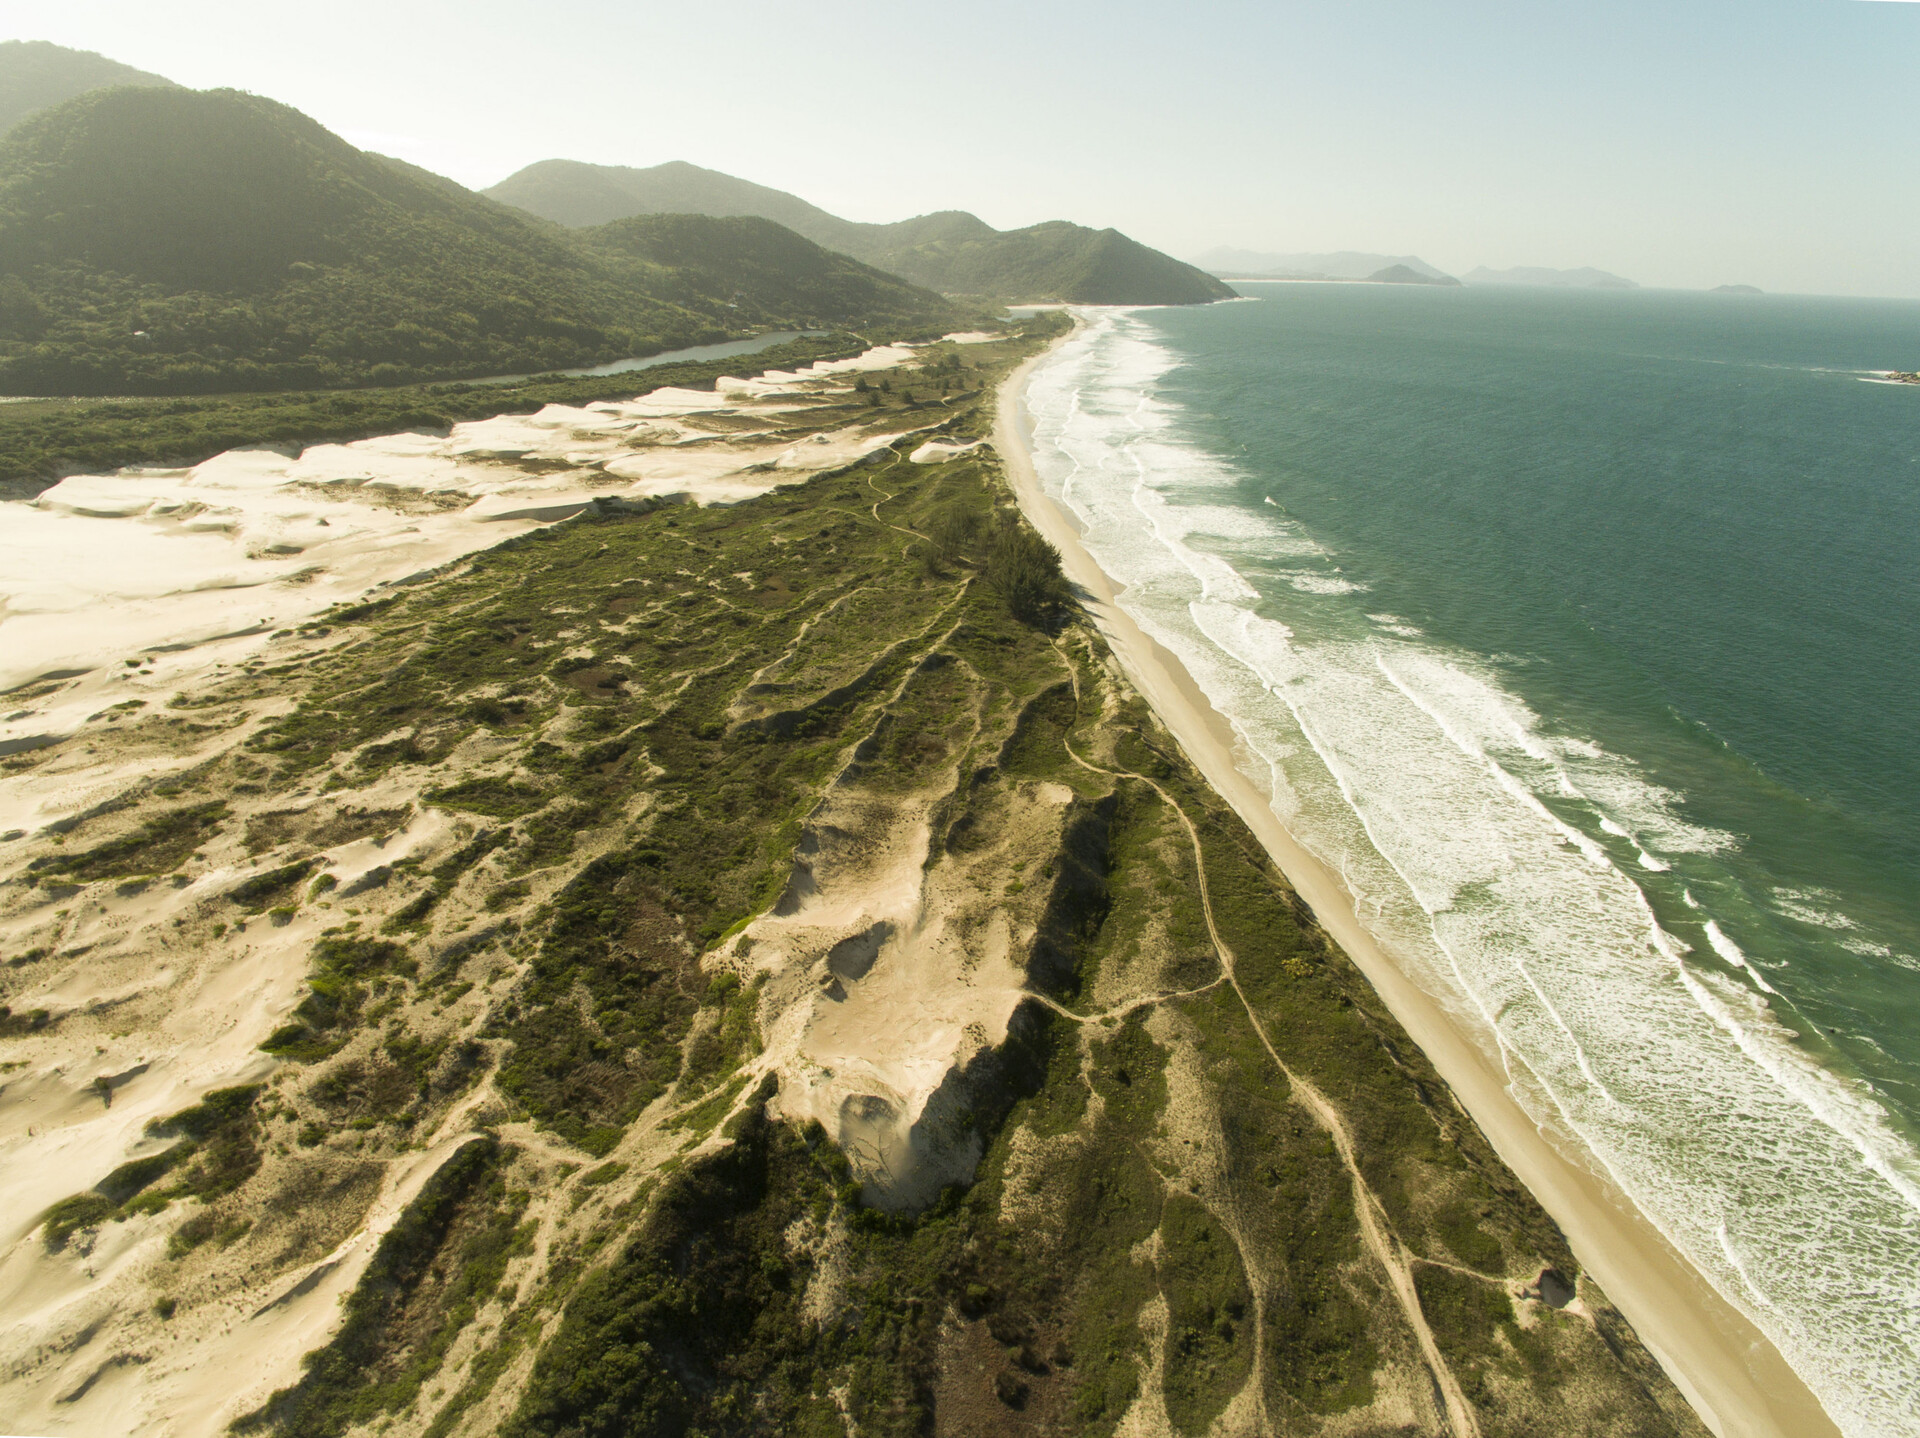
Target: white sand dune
(181, 570)
(888, 976)
(938, 451)
(191, 574)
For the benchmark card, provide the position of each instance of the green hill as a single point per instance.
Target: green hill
(764, 268)
(950, 251)
(173, 241)
(35, 75)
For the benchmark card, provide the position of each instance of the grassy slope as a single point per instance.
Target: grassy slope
(1155, 1222)
(173, 241)
(951, 251)
(1053, 261)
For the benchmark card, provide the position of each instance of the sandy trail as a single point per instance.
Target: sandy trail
(1392, 1256)
(1727, 1368)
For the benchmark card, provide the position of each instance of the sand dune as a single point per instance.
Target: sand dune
(142, 580)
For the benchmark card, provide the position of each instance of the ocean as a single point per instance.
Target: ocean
(1580, 633)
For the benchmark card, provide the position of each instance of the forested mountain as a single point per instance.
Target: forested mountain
(765, 268)
(951, 250)
(579, 196)
(35, 75)
(175, 241)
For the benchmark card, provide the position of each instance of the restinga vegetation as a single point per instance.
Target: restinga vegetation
(168, 241)
(950, 251)
(569, 905)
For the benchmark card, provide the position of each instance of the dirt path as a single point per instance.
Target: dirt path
(1145, 1001)
(1375, 1229)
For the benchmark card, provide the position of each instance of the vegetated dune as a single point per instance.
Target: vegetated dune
(753, 967)
(176, 241)
(950, 251)
(46, 440)
(183, 569)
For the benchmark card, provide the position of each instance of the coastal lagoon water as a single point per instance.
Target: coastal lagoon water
(1580, 633)
(694, 354)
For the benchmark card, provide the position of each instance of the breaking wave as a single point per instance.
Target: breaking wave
(1507, 866)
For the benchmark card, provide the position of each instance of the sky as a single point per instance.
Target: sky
(1685, 143)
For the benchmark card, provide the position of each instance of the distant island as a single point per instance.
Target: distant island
(1405, 275)
(1902, 376)
(1229, 263)
(1586, 278)
(1736, 290)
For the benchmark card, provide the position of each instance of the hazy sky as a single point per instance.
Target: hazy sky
(1769, 142)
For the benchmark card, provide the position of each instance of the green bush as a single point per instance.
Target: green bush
(1024, 570)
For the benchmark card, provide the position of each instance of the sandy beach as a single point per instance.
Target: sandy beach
(1729, 1370)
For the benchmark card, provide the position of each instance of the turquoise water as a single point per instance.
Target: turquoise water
(1581, 633)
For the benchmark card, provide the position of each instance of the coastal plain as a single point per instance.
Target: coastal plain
(741, 957)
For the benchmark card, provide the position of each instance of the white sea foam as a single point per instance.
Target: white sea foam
(1309, 583)
(1479, 845)
(1727, 949)
(1812, 906)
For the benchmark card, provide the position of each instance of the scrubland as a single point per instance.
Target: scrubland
(755, 968)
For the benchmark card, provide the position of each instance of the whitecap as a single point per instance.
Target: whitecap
(1727, 949)
(1458, 819)
(1309, 583)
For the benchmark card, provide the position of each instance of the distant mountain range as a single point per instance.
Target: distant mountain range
(1581, 279)
(35, 75)
(1230, 263)
(1334, 265)
(950, 251)
(162, 240)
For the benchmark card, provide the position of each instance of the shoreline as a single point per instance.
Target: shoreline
(1735, 1378)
